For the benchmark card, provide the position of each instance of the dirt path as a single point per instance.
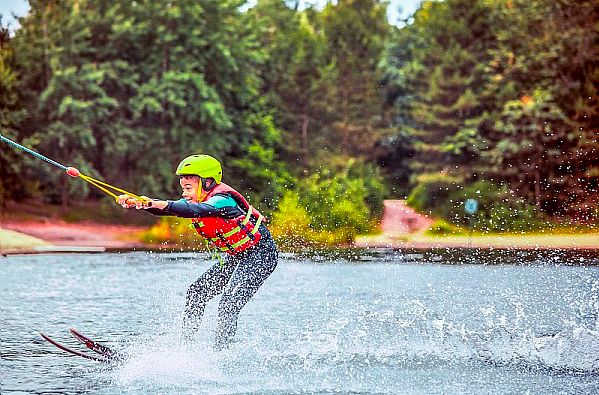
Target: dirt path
(398, 225)
(398, 219)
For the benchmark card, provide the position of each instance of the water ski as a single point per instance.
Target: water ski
(106, 354)
(95, 346)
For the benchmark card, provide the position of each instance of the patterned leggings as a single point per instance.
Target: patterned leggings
(238, 280)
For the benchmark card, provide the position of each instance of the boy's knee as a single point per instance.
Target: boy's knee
(231, 304)
(197, 293)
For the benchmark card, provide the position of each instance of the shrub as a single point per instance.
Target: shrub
(330, 207)
(443, 228)
(291, 226)
(373, 183)
(431, 193)
(336, 200)
(498, 209)
(173, 230)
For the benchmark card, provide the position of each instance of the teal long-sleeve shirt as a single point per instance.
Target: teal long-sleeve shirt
(219, 205)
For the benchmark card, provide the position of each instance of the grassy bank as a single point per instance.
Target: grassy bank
(11, 241)
(527, 240)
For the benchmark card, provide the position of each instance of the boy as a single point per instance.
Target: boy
(226, 220)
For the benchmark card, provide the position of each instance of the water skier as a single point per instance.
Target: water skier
(226, 220)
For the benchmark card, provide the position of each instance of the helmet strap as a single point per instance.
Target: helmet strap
(208, 184)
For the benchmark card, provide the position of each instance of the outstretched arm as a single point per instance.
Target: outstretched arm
(151, 205)
(211, 208)
(219, 206)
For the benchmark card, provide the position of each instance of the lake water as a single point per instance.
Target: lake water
(388, 322)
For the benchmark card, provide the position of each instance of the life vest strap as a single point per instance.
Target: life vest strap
(235, 245)
(232, 232)
(240, 242)
(258, 222)
(227, 235)
(247, 216)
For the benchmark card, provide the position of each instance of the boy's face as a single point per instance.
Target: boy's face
(191, 188)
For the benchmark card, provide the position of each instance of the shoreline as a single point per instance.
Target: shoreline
(38, 237)
(402, 228)
(530, 241)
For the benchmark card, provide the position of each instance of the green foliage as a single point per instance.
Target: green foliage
(505, 91)
(261, 171)
(355, 33)
(435, 78)
(293, 74)
(331, 206)
(308, 100)
(394, 154)
(374, 188)
(431, 193)
(10, 116)
(291, 226)
(131, 88)
(340, 199)
(443, 228)
(499, 209)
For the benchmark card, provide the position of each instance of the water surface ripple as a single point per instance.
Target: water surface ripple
(381, 322)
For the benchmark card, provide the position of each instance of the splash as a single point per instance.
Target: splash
(166, 362)
(420, 337)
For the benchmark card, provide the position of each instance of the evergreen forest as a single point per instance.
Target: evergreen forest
(317, 114)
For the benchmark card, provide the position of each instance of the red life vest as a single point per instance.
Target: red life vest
(230, 235)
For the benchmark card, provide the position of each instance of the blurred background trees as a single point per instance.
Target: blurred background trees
(330, 110)
(506, 92)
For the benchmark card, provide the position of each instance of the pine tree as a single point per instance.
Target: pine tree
(11, 114)
(355, 33)
(544, 77)
(292, 74)
(445, 112)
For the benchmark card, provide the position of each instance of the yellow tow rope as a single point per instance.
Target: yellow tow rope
(105, 187)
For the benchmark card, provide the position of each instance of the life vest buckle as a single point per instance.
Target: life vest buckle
(224, 240)
(246, 231)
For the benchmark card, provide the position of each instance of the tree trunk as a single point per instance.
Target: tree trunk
(305, 122)
(345, 122)
(46, 56)
(165, 58)
(100, 149)
(65, 194)
(537, 190)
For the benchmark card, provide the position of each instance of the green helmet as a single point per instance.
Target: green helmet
(204, 166)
